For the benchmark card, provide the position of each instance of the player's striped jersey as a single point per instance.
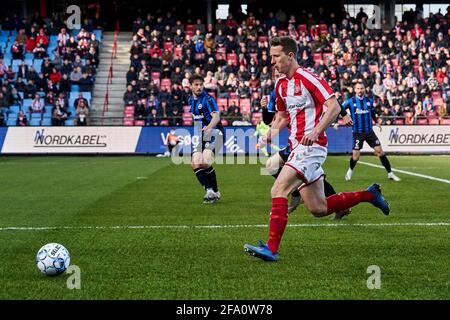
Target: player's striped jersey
(302, 98)
(362, 113)
(202, 108)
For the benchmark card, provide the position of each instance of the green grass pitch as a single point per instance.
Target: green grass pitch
(84, 198)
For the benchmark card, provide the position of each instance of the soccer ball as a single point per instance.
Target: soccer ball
(52, 259)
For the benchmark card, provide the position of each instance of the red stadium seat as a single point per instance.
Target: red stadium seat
(433, 121)
(129, 115)
(166, 83)
(263, 39)
(408, 114)
(254, 56)
(164, 122)
(445, 121)
(302, 28)
(436, 95)
(233, 95)
(139, 123)
(231, 100)
(221, 56)
(221, 50)
(156, 75)
(199, 56)
(177, 53)
(224, 122)
(187, 122)
(245, 106)
(129, 109)
(323, 28)
(223, 104)
(233, 58)
(438, 101)
(399, 121)
(189, 29)
(432, 114)
(421, 121)
(187, 116)
(168, 46)
(128, 122)
(186, 109)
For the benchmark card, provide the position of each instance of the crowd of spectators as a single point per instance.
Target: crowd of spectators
(47, 71)
(405, 68)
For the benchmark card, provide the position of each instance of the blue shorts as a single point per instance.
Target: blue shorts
(285, 153)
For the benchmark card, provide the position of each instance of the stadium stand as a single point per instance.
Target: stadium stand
(57, 64)
(411, 62)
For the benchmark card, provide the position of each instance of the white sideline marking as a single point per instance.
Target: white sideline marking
(407, 172)
(298, 225)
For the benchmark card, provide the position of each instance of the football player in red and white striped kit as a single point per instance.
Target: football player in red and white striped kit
(300, 99)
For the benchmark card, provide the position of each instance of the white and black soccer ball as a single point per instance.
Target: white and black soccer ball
(52, 259)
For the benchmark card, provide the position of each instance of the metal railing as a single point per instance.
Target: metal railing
(110, 71)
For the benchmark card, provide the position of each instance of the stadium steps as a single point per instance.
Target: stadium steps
(121, 65)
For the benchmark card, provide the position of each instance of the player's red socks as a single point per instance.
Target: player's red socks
(345, 200)
(278, 221)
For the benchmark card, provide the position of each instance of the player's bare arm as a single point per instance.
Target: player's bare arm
(214, 121)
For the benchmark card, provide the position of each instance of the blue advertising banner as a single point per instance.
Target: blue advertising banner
(3, 131)
(237, 140)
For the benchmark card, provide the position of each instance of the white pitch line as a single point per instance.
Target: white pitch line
(407, 172)
(300, 225)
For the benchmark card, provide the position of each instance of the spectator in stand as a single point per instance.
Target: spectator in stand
(59, 114)
(85, 83)
(140, 111)
(39, 51)
(55, 76)
(427, 105)
(443, 110)
(350, 47)
(78, 101)
(37, 105)
(63, 37)
(17, 51)
(82, 113)
(130, 97)
(64, 85)
(22, 120)
(75, 76)
(254, 83)
(42, 39)
(210, 83)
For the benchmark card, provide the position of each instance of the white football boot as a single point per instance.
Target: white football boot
(348, 175)
(392, 176)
